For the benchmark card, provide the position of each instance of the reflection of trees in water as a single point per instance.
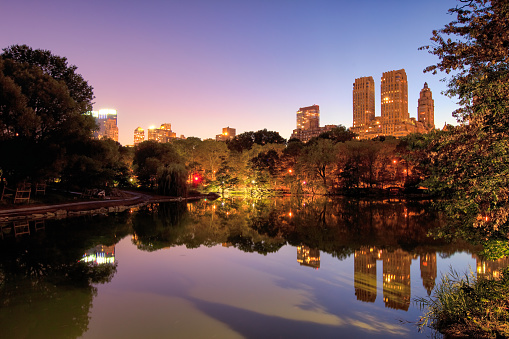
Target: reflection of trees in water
(206, 223)
(338, 227)
(45, 291)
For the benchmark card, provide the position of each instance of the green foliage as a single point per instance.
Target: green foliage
(150, 158)
(172, 180)
(473, 307)
(469, 163)
(246, 140)
(338, 134)
(97, 163)
(42, 106)
(225, 176)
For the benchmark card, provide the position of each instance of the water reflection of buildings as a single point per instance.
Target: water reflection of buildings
(308, 256)
(100, 255)
(365, 273)
(490, 269)
(396, 279)
(396, 275)
(429, 271)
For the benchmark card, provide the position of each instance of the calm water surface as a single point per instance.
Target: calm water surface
(279, 268)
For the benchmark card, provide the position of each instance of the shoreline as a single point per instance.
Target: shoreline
(90, 207)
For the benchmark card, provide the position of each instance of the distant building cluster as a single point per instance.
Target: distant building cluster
(107, 121)
(162, 134)
(395, 119)
(308, 124)
(227, 134)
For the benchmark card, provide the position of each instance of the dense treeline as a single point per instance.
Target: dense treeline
(263, 162)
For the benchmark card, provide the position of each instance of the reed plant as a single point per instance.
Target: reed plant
(463, 306)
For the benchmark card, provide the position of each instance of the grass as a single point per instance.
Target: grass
(467, 307)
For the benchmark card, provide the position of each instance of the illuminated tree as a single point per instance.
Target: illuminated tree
(470, 163)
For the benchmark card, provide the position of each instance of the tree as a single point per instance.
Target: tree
(225, 176)
(210, 155)
(97, 163)
(317, 159)
(469, 163)
(150, 160)
(338, 134)
(246, 140)
(42, 106)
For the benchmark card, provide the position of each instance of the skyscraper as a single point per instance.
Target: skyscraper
(308, 117)
(426, 108)
(363, 102)
(139, 135)
(394, 100)
(107, 121)
(308, 124)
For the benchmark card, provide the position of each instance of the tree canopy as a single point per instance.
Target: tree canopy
(246, 140)
(42, 106)
(469, 163)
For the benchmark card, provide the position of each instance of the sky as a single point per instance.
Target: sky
(202, 65)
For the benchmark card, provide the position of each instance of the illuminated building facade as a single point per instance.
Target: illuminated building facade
(227, 134)
(139, 136)
(363, 102)
(308, 124)
(107, 121)
(426, 108)
(394, 95)
(395, 119)
(162, 134)
(308, 117)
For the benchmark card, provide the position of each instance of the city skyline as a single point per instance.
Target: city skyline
(204, 65)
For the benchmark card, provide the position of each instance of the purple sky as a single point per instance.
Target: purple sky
(202, 65)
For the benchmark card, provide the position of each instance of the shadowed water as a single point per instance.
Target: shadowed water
(232, 268)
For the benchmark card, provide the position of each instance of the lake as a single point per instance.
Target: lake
(299, 267)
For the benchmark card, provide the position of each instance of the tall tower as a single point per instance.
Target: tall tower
(426, 108)
(363, 101)
(394, 95)
(107, 121)
(308, 117)
(139, 136)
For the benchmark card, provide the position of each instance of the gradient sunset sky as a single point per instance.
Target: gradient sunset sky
(202, 65)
